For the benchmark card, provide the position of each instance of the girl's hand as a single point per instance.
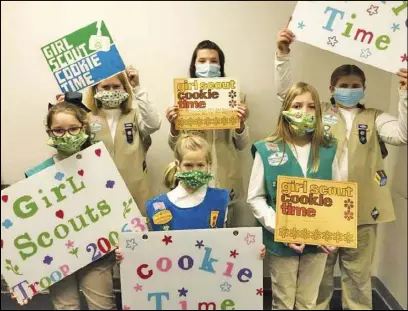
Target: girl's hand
(118, 255)
(243, 112)
(60, 98)
(172, 113)
(263, 251)
(402, 73)
(285, 38)
(25, 301)
(133, 76)
(297, 247)
(327, 249)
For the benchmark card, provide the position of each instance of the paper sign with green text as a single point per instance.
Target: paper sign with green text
(63, 218)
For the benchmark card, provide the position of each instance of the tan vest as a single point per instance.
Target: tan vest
(364, 160)
(128, 157)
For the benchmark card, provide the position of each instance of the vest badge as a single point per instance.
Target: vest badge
(271, 146)
(278, 158)
(362, 133)
(375, 213)
(129, 132)
(380, 178)
(163, 217)
(213, 218)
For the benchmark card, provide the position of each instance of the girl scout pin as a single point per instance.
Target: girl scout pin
(362, 133)
(129, 132)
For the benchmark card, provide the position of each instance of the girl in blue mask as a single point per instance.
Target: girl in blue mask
(360, 132)
(208, 61)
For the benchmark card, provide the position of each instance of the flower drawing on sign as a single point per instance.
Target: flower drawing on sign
(232, 94)
(7, 223)
(259, 291)
(316, 235)
(327, 235)
(365, 53)
(200, 244)
(47, 260)
(283, 232)
(349, 204)
(305, 234)
(349, 215)
(10, 267)
(348, 237)
(404, 57)
(338, 236)
(232, 103)
(332, 41)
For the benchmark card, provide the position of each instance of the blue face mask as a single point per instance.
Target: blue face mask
(348, 97)
(208, 70)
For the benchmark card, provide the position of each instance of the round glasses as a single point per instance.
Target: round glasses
(58, 132)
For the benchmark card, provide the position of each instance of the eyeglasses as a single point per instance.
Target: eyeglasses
(58, 132)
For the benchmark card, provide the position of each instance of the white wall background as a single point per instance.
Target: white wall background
(159, 38)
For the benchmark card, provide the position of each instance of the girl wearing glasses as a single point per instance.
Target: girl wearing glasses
(69, 132)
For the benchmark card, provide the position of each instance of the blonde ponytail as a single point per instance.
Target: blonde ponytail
(170, 180)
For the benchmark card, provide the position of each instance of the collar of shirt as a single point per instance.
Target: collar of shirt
(180, 192)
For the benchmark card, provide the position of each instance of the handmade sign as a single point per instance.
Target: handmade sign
(214, 269)
(316, 212)
(83, 58)
(207, 103)
(63, 218)
(372, 32)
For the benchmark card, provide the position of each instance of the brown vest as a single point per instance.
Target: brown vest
(129, 157)
(364, 161)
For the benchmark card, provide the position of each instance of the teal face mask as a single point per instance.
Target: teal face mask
(300, 122)
(194, 179)
(348, 97)
(68, 144)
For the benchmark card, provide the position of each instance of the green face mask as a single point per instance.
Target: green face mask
(300, 122)
(194, 179)
(68, 144)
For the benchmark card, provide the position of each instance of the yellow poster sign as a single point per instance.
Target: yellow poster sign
(316, 212)
(207, 103)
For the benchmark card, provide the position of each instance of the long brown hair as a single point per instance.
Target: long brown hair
(283, 132)
(186, 142)
(95, 105)
(80, 114)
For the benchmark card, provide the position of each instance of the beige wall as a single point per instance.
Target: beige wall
(158, 38)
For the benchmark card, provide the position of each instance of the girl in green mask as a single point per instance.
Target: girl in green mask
(191, 203)
(69, 132)
(297, 148)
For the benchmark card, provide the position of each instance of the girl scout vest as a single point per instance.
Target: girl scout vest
(164, 215)
(278, 159)
(127, 152)
(365, 163)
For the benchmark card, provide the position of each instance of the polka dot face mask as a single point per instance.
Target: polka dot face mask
(194, 179)
(111, 99)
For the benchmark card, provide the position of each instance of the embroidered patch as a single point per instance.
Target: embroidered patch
(375, 213)
(95, 127)
(330, 119)
(158, 206)
(271, 146)
(380, 178)
(278, 158)
(162, 217)
(213, 218)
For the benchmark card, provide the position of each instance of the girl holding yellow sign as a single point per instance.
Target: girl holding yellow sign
(208, 62)
(298, 148)
(360, 132)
